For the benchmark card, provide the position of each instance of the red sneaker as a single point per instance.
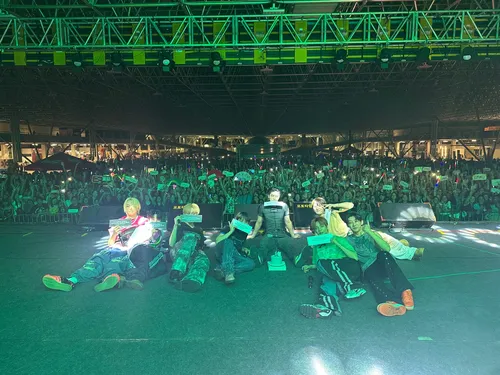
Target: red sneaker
(57, 283)
(407, 298)
(109, 282)
(391, 308)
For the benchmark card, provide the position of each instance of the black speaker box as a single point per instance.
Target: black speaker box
(99, 216)
(405, 215)
(303, 214)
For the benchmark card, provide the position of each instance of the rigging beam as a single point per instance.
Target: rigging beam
(240, 31)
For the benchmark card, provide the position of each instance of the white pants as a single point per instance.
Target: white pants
(398, 250)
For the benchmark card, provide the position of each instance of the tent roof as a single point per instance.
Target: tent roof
(57, 161)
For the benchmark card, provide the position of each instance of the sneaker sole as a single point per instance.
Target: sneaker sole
(409, 308)
(107, 284)
(312, 312)
(388, 310)
(54, 285)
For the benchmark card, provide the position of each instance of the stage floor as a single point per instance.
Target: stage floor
(252, 327)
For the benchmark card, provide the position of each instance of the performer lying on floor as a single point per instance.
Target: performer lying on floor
(377, 265)
(110, 262)
(337, 226)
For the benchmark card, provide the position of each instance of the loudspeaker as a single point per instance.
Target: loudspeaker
(250, 209)
(212, 215)
(99, 216)
(303, 214)
(405, 215)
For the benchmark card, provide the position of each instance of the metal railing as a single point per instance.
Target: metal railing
(45, 218)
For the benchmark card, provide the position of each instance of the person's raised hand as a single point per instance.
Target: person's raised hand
(367, 228)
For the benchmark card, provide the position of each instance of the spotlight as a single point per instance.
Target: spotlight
(341, 58)
(423, 54)
(385, 56)
(77, 60)
(468, 53)
(116, 62)
(166, 62)
(216, 62)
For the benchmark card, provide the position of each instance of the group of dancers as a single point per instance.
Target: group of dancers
(354, 255)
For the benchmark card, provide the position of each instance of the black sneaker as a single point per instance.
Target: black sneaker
(175, 276)
(134, 284)
(189, 286)
(304, 256)
(315, 311)
(218, 274)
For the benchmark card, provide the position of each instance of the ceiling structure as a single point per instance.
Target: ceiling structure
(281, 71)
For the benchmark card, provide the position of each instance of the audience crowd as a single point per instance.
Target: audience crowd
(457, 189)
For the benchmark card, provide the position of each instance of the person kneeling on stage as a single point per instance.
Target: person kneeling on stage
(276, 218)
(231, 251)
(107, 264)
(190, 263)
(331, 212)
(338, 261)
(378, 264)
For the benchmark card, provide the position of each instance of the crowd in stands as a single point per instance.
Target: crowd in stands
(451, 186)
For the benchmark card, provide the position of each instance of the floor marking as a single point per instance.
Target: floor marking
(83, 235)
(454, 274)
(475, 248)
(424, 338)
(27, 234)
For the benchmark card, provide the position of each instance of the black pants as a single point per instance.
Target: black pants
(386, 267)
(345, 271)
(149, 263)
(284, 243)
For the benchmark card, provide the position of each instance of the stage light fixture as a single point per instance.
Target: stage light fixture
(341, 58)
(423, 55)
(166, 62)
(385, 56)
(468, 53)
(78, 61)
(216, 62)
(116, 62)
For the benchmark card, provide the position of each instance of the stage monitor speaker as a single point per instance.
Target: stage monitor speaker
(303, 214)
(405, 215)
(212, 215)
(250, 209)
(99, 216)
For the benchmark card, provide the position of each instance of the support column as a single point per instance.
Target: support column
(17, 153)
(434, 137)
(93, 146)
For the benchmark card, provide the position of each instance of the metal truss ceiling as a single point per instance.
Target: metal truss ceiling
(252, 99)
(125, 8)
(245, 31)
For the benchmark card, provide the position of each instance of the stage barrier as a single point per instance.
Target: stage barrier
(64, 218)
